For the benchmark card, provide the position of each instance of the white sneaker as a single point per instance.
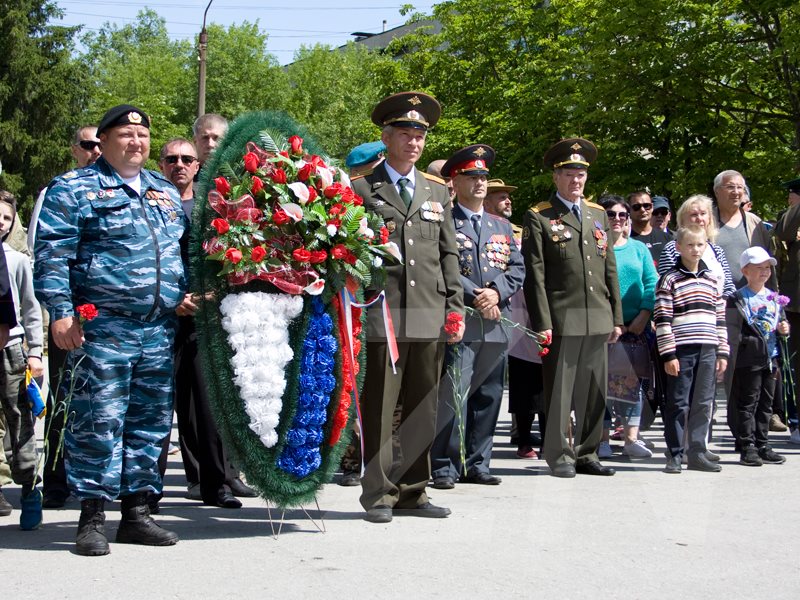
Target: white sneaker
(604, 450)
(794, 438)
(637, 449)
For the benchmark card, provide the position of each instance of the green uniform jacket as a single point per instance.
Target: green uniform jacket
(427, 286)
(787, 236)
(571, 281)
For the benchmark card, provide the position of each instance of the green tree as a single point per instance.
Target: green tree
(41, 91)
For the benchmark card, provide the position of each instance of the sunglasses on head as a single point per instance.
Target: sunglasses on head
(172, 159)
(641, 206)
(661, 212)
(622, 215)
(88, 145)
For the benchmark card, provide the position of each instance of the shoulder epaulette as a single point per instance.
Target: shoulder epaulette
(541, 206)
(361, 175)
(434, 178)
(516, 229)
(593, 205)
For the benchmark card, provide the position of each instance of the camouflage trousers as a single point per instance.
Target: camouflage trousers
(18, 438)
(121, 407)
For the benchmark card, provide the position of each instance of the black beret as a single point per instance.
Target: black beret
(124, 114)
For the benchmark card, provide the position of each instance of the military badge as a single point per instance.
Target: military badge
(601, 239)
(70, 175)
(390, 226)
(91, 196)
(134, 117)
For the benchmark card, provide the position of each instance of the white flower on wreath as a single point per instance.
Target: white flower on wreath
(257, 325)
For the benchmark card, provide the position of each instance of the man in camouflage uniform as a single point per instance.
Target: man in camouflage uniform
(109, 236)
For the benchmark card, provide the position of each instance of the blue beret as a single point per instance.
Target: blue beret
(365, 153)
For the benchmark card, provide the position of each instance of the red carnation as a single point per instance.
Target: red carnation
(86, 312)
(221, 225)
(305, 172)
(384, 235)
(301, 255)
(312, 195)
(278, 176)
(453, 323)
(284, 153)
(296, 142)
(339, 251)
(544, 351)
(257, 186)
(233, 255)
(279, 217)
(350, 258)
(251, 162)
(223, 187)
(318, 256)
(257, 254)
(336, 209)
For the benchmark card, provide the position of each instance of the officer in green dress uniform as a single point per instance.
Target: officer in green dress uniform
(420, 292)
(572, 293)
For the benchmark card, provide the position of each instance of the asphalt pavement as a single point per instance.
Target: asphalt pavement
(641, 534)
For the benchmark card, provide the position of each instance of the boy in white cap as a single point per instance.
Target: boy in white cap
(756, 370)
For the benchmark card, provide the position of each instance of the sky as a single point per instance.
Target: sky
(289, 23)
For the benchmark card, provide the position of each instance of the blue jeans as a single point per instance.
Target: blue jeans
(690, 394)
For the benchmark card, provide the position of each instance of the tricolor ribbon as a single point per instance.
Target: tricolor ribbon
(347, 302)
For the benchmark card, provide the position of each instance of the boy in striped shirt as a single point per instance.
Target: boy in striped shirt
(692, 341)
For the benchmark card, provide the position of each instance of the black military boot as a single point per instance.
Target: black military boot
(91, 540)
(138, 527)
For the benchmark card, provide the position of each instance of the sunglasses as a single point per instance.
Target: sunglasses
(88, 145)
(622, 215)
(642, 206)
(172, 159)
(660, 212)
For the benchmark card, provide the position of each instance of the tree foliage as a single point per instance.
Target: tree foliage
(41, 91)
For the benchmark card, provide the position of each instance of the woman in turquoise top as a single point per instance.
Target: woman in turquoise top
(637, 282)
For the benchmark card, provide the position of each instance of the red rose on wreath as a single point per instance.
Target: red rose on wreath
(318, 256)
(233, 255)
(221, 225)
(312, 195)
(350, 258)
(301, 255)
(86, 312)
(280, 217)
(357, 200)
(348, 195)
(296, 142)
(305, 171)
(333, 190)
(278, 176)
(257, 254)
(257, 186)
(339, 251)
(284, 153)
(251, 162)
(222, 185)
(336, 209)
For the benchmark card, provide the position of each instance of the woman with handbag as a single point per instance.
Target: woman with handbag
(629, 367)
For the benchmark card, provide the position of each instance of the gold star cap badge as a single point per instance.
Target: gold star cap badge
(576, 153)
(134, 117)
(395, 111)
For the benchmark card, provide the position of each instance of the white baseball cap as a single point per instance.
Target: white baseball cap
(755, 256)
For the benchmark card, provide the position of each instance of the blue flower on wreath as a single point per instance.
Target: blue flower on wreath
(301, 454)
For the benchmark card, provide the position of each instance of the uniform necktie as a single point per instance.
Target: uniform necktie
(476, 224)
(405, 195)
(577, 212)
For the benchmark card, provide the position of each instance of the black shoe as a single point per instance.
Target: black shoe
(91, 539)
(225, 499)
(768, 455)
(699, 462)
(750, 457)
(379, 514)
(238, 488)
(443, 483)
(138, 527)
(5, 506)
(565, 470)
(426, 510)
(350, 479)
(152, 503)
(711, 456)
(593, 467)
(673, 465)
(54, 500)
(481, 479)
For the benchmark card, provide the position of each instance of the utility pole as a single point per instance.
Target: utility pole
(201, 85)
